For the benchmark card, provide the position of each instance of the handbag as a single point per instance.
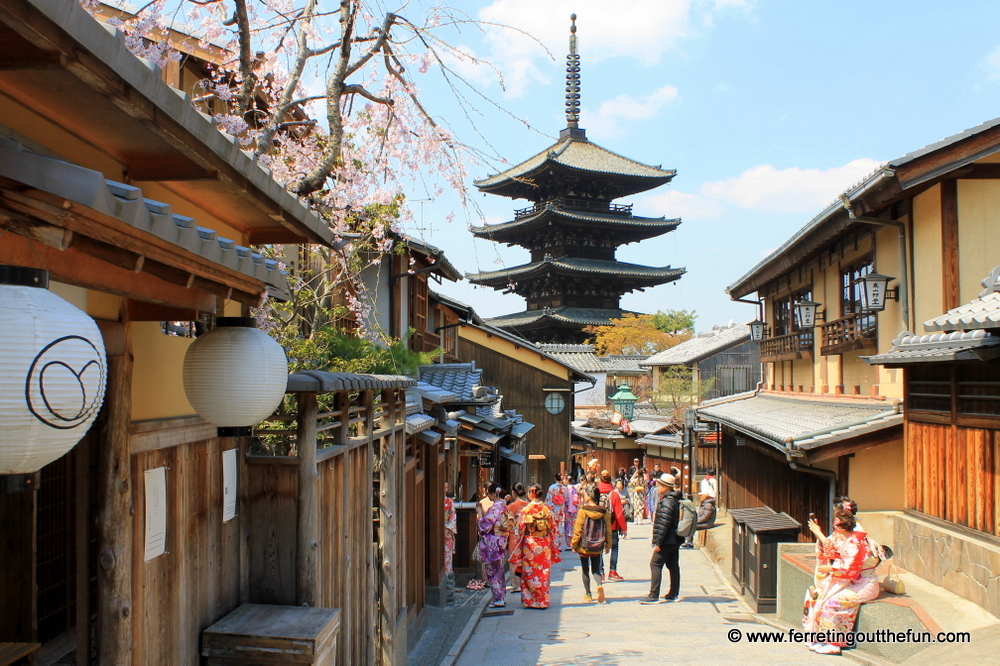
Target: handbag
(893, 584)
(476, 555)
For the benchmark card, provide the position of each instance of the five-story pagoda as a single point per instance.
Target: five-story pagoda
(572, 230)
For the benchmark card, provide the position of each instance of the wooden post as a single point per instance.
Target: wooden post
(306, 560)
(115, 542)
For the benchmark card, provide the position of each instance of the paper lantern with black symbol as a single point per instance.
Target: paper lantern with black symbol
(53, 372)
(235, 376)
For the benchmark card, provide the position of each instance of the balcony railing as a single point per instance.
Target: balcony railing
(577, 204)
(855, 331)
(791, 347)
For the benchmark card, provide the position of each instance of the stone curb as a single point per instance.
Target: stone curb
(463, 638)
(867, 660)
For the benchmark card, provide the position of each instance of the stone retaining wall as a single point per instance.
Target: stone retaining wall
(956, 559)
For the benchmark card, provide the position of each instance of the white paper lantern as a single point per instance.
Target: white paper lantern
(235, 376)
(53, 372)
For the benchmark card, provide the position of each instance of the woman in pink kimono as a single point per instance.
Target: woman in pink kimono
(556, 500)
(535, 551)
(850, 581)
(493, 545)
(450, 530)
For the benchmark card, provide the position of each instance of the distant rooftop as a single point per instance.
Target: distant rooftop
(701, 346)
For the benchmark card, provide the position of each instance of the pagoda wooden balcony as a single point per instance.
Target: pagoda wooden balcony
(791, 347)
(577, 204)
(855, 331)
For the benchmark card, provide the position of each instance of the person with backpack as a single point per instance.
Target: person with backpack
(592, 538)
(612, 502)
(666, 542)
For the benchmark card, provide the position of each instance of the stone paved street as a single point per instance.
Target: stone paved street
(624, 631)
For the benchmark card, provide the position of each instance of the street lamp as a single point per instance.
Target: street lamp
(624, 401)
(874, 292)
(805, 311)
(756, 330)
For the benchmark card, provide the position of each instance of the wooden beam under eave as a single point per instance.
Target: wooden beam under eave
(275, 237)
(166, 168)
(112, 231)
(854, 444)
(76, 268)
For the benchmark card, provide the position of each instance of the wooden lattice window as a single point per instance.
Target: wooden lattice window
(960, 393)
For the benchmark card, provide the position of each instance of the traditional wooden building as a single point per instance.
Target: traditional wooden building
(572, 231)
(830, 414)
(144, 214)
(610, 372)
(713, 364)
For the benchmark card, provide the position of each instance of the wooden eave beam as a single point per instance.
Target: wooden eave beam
(854, 444)
(115, 233)
(50, 38)
(76, 268)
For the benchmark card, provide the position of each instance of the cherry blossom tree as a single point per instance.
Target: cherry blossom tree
(323, 95)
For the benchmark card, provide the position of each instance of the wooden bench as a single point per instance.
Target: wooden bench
(11, 653)
(256, 634)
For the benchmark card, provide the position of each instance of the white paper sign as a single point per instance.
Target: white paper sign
(156, 512)
(228, 485)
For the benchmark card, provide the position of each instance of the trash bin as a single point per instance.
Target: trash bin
(739, 517)
(762, 534)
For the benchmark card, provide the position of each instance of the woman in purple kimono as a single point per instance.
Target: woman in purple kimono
(493, 545)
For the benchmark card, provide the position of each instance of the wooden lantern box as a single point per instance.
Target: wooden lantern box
(264, 634)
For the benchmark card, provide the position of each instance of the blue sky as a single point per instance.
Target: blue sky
(766, 109)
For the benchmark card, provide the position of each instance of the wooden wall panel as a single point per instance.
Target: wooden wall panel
(751, 477)
(953, 473)
(197, 581)
(522, 385)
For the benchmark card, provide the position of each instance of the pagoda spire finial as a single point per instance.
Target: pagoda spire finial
(572, 79)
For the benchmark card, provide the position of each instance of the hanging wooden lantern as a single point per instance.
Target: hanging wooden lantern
(235, 376)
(53, 372)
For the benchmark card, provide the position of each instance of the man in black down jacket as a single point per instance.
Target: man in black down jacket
(666, 542)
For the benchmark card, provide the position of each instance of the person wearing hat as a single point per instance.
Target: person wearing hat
(666, 542)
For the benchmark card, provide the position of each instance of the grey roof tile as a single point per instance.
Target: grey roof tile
(979, 313)
(587, 316)
(938, 347)
(90, 189)
(573, 265)
(787, 422)
(549, 209)
(673, 441)
(701, 346)
(456, 378)
(583, 155)
(580, 357)
(315, 381)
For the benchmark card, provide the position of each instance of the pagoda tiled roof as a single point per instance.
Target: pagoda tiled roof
(636, 228)
(565, 315)
(576, 266)
(581, 156)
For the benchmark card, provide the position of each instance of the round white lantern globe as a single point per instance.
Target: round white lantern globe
(236, 375)
(53, 372)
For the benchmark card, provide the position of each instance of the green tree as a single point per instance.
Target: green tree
(675, 322)
(677, 389)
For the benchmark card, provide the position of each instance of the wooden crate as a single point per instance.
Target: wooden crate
(266, 634)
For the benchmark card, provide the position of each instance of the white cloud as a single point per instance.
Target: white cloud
(791, 190)
(640, 29)
(991, 63)
(679, 204)
(610, 114)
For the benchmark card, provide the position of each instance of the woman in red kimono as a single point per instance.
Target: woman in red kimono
(536, 550)
(846, 580)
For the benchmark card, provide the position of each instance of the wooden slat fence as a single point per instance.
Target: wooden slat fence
(352, 475)
(953, 473)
